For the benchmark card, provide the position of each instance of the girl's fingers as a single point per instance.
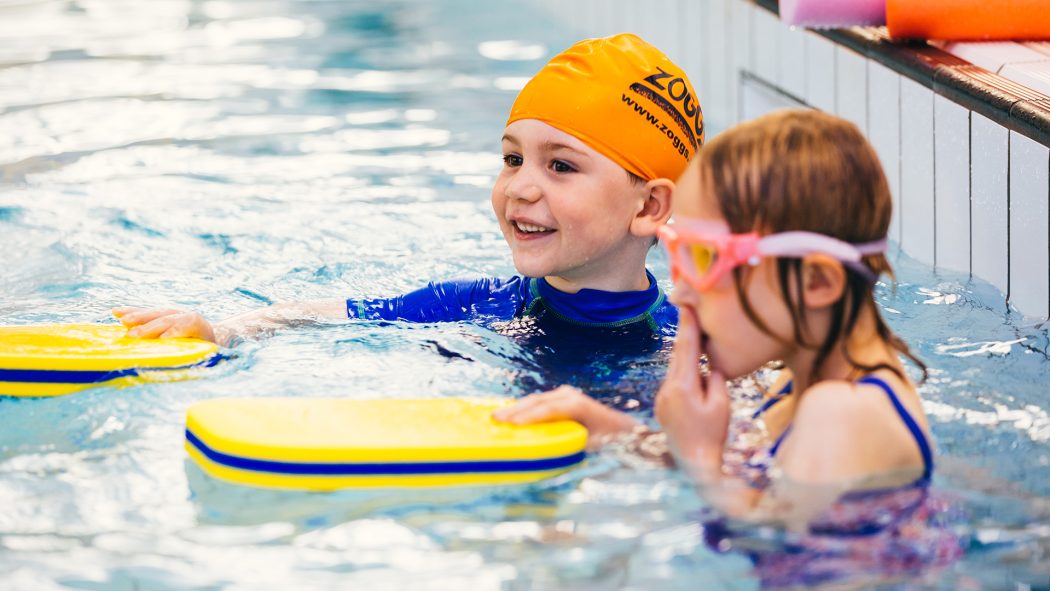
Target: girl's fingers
(695, 331)
(685, 356)
(717, 390)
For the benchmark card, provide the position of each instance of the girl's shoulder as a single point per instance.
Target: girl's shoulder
(831, 410)
(843, 399)
(851, 429)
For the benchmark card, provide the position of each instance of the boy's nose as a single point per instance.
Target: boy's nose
(526, 193)
(524, 188)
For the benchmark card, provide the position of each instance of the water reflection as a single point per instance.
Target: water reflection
(222, 155)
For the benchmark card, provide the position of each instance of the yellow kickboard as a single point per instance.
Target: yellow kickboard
(57, 359)
(330, 444)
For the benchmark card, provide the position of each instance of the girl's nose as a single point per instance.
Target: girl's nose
(683, 294)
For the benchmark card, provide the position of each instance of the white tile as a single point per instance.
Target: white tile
(608, 20)
(1034, 75)
(758, 98)
(1029, 226)
(694, 32)
(884, 131)
(916, 198)
(739, 57)
(662, 32)
(851, 81)
(718, 109)
(655, 29)
(993, 55)
(989, 162)
(1042, 47)
(820, 72)
(671, 31)
(951, 188)
(766, 35)
(578, 17)
(596, 20)
(792, 77)
(621, 13)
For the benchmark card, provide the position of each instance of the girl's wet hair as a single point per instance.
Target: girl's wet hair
(809, 171)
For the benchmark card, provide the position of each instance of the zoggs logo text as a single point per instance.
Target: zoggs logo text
(678, 90)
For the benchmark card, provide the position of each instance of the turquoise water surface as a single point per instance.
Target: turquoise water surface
(222, 156)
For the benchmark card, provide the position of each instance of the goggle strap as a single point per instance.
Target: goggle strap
(875, 247)
(800, 244)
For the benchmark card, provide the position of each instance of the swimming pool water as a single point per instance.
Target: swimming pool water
(225, 155)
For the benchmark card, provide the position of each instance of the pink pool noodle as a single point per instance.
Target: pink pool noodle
(833, 13)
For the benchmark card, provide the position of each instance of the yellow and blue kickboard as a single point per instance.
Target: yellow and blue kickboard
(57, 359)
(329, 444)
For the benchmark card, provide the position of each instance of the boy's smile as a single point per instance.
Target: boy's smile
(527, 230)
(566, 211)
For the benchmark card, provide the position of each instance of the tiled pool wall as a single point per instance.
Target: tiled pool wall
(971, 181)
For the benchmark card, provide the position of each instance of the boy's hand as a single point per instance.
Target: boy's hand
(694, 415)
(161, 323)
(566, 402)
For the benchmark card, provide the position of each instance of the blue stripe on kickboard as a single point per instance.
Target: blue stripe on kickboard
(384, 469)
(59, 376)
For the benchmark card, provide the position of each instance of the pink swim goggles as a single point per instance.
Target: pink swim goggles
(702, 251)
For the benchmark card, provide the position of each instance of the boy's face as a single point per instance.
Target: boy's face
(565, 209)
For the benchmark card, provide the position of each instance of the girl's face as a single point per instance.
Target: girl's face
(564, 208)
(734, 344)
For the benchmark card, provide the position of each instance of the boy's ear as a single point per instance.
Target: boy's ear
(823, 280)
(655, 207)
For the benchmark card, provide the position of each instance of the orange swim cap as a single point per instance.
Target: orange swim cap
(622, 97)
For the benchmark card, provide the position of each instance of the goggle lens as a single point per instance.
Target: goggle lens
(703, 256)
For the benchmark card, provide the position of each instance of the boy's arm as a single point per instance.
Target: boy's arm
(446, 301)
(159, 322)
(603, 424)
(264, 321)
(437, 302)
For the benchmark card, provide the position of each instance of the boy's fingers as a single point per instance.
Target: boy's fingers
(531, 411)
(177, 329)
(507, 413)
(140, 316)
(124, 310)
(152, 329)
(553, 405)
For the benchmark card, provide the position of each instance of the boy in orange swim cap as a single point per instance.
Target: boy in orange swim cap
(590, 151)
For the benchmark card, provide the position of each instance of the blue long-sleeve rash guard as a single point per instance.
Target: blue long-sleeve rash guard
(488, 300)
(613, 345)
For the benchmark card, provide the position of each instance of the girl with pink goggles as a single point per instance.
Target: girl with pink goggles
(702, 251)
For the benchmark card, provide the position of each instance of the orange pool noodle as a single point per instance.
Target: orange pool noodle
(969, 19)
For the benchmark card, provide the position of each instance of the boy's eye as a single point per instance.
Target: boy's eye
(562, 166)
(512, 160)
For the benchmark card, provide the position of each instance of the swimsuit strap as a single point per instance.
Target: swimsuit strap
(776, 444)
(785, 391)
(913, 427)
(773, 400)
(916, 432)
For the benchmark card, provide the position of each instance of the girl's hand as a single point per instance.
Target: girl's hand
(162, 323)
(694, 415)
(566, 402)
